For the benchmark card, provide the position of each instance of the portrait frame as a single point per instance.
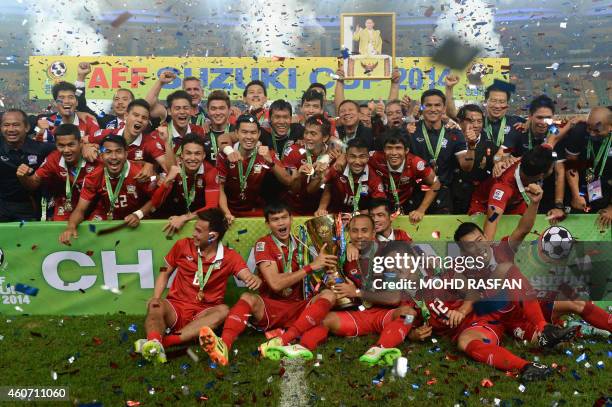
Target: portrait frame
(367, 53)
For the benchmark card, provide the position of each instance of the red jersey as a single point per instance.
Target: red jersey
(53, 173)
(132, 196)
(183, 257)
(342, 196)
(267, 250)
(396, 234)
(228, 175)
(503, 193)
(86, 124)
(169, 199)
(177, 139)
(146, 147)
(301, 202)
(411, 172)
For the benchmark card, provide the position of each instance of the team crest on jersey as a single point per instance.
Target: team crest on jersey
(60, 211)
(380, 188)
(421, 165)
(200, 183)
(287, 151)
(232, 165)
(444, 143)
(138, 155)
(257, 168)
(302, 151)
(131, 189)
(498, 194)
(260, 246)
(32, 159)
(89, 169)
(343, 180)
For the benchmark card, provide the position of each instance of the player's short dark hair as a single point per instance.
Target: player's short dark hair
(541, 101)
(358, 142)
(216, 221)
(376, 202)
(255, 82)
(23, 114)
(463, 111)
(362, 216)
(280, 105)
(218, 95)
(465, 228)
(496, 88)
(394, 102)
(247, 118)
(317, 85)
(311, 95)
(321, 121)
(537, 161)
(364, 105)
(394, 136)
(68, 129)
(345, 101)
(139, 102)
(126, 90)
(433, 92)
(192, 138)
(113, 138)
(274, 208)
(192, 78)
(176, 95)
(62, 86)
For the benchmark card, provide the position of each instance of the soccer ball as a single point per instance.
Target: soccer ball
(57, 69)
(556, 243)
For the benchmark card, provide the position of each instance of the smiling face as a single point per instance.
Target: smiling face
(121, 100)
(539, 120)
(280, 120)
(180, 112)
(200, 233)
(313, 138)
(192, 156)
(357, 159)
(365, 116)
(194, 88)
(14, 129)
(255, 96)
(136, 120)
(474, 119)
(361, 232)
(114, 157)
(69, 147)
(382, 218)
(311, 107)
(280, 225)
(497, 104)
(219, 112)
(394, 114)
(433, 109)
(349, 114)
(369, 23)
(474, 244)
(248, 135)
(395, 153)
(66, 102)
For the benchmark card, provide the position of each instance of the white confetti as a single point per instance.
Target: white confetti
(563, 25)
(522, 388)
(596, 74)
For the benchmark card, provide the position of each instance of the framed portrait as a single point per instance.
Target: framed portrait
(368, 44)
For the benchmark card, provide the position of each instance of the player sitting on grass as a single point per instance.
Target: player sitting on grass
(280, 302)
(195, 299)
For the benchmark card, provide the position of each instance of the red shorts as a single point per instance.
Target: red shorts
(512, 321)
(369, 321)
(186, 312)
(280, 313)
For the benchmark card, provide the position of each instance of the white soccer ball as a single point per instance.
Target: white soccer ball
(556, 243)
(57, 69)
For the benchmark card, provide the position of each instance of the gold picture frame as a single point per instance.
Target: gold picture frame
(370, 45)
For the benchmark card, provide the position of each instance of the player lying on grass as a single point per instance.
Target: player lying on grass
(378, 313)
(280, 302)
(202, 265)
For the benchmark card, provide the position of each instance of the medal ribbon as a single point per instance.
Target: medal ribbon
(243, 177)
(189, 196)
(356, 193)
(601, 153)
(428, 142)
(114, 194)
(76, 176)
(203, 279)
(286, 262)
(393, 187)
(501, 133)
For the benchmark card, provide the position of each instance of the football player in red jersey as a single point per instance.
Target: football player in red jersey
(141, 146)
(114, 190)
(344, 191)
(62, 173)
(255, 96)
(380, 210)
(240, 181)
(64, 95)
(189, 187)
(280, 301)
(202, 265)
(378, 313)
(402, 172)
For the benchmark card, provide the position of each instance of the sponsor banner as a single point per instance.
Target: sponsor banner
(116, 272)
(285, 78)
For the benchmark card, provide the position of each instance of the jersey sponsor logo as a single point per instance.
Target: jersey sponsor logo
(32, 159)
(257, 168)
(200, 183)
(287, 151)
(260, 246)
(380, 188)
(89, 169)
(444, 143)
(131, 189)
(498, 194)
(421, 165)
(507, 130)
(404, 180)
(138, 155)
(4, 158)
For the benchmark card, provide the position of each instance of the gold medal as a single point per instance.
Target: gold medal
(109, 216)
(200, 296)
(68, 206)
(590, 175)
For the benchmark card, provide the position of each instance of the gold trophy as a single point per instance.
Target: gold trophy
(322, 230)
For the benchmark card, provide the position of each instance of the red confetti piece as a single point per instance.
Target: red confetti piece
(89, 253)
(486, 383)
(97, 341)
(131, 403)
(450, 356)
(113, 365)
(432, 381)
(34, 247)
(435, 234)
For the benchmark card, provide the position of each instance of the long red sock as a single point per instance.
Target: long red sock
(310, 317)
(154, 335)
(494, 355)
(236, 322)
(533, 312)
(394, 333)
(171, 340)
(596, 316)
(314, 337)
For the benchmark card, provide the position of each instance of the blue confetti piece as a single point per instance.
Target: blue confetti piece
(576, 375)
(92, 228)
(466, 393)
(132, 328)
(600, 365)
(553, 129)
(486, 340)
(26, 289)
(339, 350)
(210, 385)
(415, 386)
(345, 53)
(569, 353)
(610, 353)
(185, 366)
(123, 336)
(581, 358)
(212, 365)
(339, 280)
(242, 231)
